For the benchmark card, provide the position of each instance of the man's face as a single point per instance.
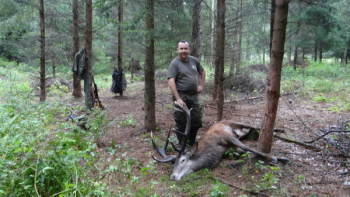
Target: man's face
(183, 49)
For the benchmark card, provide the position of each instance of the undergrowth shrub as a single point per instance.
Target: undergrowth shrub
(320, 82)
(41, 154)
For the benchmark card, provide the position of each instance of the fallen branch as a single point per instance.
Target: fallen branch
(259, 97)
(247, 99)
(325, 135)
(212, 106)
(297, 142)
(243, 189)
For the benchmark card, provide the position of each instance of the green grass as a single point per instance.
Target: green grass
(41, 153)
(319, 82)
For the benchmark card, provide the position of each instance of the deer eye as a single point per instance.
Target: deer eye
(183, 160)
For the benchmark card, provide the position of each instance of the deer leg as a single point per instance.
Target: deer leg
(235, 141)
(238, 143)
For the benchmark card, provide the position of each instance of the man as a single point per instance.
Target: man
(186, 78)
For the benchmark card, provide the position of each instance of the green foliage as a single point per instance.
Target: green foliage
(37, 171)
(139, 78)
(270, 177)
(300, 179)
(41, 153)
(129, 121)
(320, 98)
(218, 190)
(321, 82)
(231, 152)
(261, 176)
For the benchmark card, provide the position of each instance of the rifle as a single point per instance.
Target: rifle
(93, 100)
(97, 99)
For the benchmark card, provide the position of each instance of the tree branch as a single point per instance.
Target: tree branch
(328, 132)
(297, 142)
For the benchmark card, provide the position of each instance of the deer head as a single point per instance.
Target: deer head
(182, 161)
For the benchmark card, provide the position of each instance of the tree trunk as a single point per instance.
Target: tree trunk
(42, 52)
(120, 41)
(88, 46)
(53, 67)
(320, 52)
(264, 56)
(150, 93)
(216, 82)
(234, 49)
(274, 76)
(220, 55)
(76, 81)
(196, 39)
(315, 51)
(239, 46)
(212, 26)
(272, 19)
(295, 60)
(345, 54)
(289, 54)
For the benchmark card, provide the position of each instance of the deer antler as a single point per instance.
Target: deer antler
(162, 151)
(188, 125)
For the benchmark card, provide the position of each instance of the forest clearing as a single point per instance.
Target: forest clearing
(111, 155)
(86, 84)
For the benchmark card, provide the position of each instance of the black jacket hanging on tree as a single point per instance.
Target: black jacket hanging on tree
(119, 82)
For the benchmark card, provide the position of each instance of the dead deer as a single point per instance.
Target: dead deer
(208, 150)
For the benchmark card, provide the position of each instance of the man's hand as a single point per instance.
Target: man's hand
(199, 89)
(181, 102)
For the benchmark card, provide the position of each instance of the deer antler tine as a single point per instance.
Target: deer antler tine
(172, 145)
(165, 159)
(162, 151)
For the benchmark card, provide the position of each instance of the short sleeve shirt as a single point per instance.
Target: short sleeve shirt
(186, 74)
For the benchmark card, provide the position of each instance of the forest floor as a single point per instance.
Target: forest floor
(313, 170)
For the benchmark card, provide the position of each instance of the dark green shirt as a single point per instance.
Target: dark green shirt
(186, 74)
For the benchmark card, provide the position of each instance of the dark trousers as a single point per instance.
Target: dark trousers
(191, 139)
(192, 102)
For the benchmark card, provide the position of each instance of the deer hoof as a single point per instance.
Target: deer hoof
(284, 160)
(274, 159)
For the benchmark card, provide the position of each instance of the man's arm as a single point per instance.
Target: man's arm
(172, 86)
(202, 81)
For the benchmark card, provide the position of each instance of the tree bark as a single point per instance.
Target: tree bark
(76, 81)
(220, 55)
(345, 54)
(272, 18)
(320, 52)
(42, 52)
(149, 106)
(196, 39)
(315, 51)
(274, 76)
(88, 47)
(295, 60)
(120, 41)
(239, 44)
